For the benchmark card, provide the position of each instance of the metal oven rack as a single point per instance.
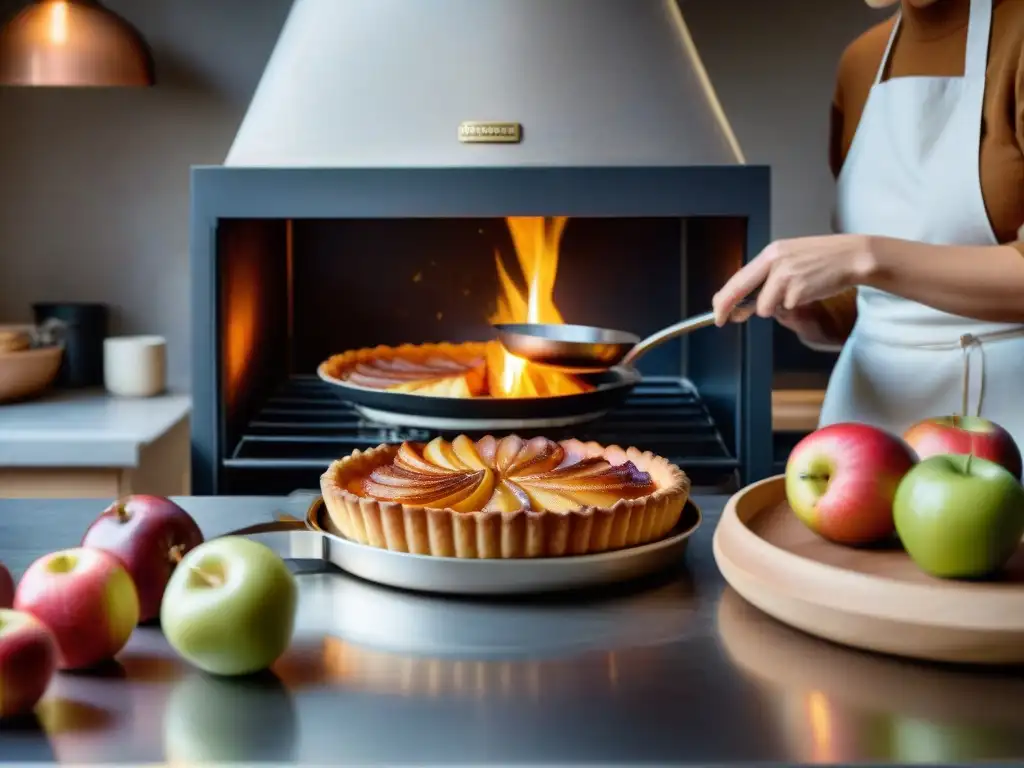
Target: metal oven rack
(305, 425)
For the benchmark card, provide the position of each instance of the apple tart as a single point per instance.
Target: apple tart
(437, 370)
(504, 497)
(466, 370)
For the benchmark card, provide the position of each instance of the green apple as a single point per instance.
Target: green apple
(959, 517)
(229, 607)
(924, 742)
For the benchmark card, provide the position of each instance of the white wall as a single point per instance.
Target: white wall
(94, 185)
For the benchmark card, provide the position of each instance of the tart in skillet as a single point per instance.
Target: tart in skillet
(437, 370)
(469, 369)
(504, 497)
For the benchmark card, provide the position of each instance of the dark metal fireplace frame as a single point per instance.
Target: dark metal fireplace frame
(736, 390)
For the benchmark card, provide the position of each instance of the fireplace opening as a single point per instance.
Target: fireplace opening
(292, 267)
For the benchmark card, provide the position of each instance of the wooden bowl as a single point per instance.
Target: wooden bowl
(870, 598)
(27, 373)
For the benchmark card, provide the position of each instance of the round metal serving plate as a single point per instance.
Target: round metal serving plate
(463, 576)
(612, 387)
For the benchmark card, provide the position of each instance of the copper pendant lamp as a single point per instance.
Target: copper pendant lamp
(73, 43)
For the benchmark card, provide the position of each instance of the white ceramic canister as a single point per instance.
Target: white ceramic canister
(135, 366)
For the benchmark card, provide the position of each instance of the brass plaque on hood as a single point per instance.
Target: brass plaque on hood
(487, 132)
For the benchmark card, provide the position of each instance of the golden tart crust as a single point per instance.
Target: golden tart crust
(504, 497)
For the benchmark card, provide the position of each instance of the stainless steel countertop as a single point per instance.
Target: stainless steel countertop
(675, 670)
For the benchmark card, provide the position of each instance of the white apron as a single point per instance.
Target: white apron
(912, 172)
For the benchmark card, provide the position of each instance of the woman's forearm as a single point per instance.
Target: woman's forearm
(980, 282)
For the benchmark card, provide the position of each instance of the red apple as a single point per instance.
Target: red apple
(87, 599)
(965, 435)
(841, 481)
(6, 587)
(149, 534)
(28, 659)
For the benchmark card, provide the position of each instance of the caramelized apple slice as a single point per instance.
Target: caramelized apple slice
(595, 482)
(538, 455)
(487, 447)
(465, 451)
(480, 496)
(439, 451)
(552, 501)
(442, 492)
(446, 387)
(409, 457)
(588, 497)
(507, 451)
(507, 497)
(585, 468)
(461, 493)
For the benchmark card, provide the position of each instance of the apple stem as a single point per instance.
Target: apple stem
(967, 464)
(121, 512)
(207, 579)
(175, 555)
(956, 419)
(811, 476)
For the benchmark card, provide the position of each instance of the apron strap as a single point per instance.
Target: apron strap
(979, 30)
(888, 48)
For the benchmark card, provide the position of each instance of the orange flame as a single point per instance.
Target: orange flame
(536, 241)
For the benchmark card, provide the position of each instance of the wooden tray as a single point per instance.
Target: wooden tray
(872, 599)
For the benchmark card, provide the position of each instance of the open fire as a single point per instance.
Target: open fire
(536, 241)
(479, 369)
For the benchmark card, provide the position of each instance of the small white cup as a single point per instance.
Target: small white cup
(135, 366)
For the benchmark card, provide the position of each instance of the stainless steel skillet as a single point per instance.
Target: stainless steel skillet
(589, 349)
(315, 538)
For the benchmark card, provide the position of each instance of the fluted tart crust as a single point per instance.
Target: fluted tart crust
(504, 497)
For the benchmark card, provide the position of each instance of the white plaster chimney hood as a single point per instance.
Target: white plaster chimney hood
(377, 83)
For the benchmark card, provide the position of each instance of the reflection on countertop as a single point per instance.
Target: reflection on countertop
(840, 705)
(671, 670)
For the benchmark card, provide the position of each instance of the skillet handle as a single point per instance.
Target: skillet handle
(289, 537)
(282, 524)
(741, 312)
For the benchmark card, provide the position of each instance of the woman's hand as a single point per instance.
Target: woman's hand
(812, 323)
(795, 273)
